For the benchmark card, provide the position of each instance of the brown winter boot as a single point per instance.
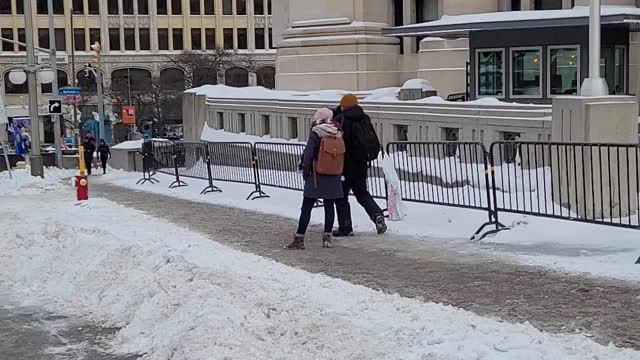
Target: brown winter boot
(297, 243)
(326, 241)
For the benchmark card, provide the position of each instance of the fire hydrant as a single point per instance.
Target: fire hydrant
(82, 188)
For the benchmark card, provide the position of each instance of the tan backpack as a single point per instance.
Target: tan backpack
(330, 159)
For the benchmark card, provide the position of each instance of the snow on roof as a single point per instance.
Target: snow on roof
(423, 84)
(213, 135)
(576, 12)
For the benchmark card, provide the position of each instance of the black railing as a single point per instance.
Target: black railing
(594, 183)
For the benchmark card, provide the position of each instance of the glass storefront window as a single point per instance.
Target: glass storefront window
(526, 72)
(619, 73)
(564, 70)
(490, 73)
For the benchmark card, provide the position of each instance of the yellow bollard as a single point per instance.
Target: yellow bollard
(81, 158)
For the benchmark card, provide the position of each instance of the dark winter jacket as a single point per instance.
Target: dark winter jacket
(353, 168)
(104, 151)
(89, 147)
(317, 186)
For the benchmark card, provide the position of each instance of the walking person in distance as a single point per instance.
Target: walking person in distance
(322, 167)
(104, 153)
(362, 147)
(89, 149)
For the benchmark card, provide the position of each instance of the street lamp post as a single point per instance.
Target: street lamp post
(97, 48)
(37, 166)
(594, 85)
(57, 132)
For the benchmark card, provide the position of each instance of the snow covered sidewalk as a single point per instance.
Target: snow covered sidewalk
(178, 294)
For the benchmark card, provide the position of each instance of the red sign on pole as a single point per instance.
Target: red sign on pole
(129, 115)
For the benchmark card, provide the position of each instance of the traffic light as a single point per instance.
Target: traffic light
(96, 50)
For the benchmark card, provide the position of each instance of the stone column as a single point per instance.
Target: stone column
(409, 17)
(595, 182)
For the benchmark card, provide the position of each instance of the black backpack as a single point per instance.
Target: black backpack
(366, 145)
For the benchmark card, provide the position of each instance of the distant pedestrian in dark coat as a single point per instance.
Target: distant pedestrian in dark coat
(89, 149)
(318, 186)
(104, 153)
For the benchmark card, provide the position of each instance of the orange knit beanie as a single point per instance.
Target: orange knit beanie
(348, 100)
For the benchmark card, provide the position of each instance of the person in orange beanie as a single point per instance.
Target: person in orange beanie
(362, 146)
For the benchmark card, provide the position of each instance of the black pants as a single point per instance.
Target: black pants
(305, 215)
(364, 198)
(103, 160)
(88, 162)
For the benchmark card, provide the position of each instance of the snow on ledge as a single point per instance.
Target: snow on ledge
(423, 84)
(383, 95)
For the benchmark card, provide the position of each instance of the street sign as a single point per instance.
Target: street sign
(129, 115)
(3, 113)
(69, 91)
(55, 107)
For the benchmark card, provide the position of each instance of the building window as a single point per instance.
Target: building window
(210, 38)
(242, 123)
(145, 39)
(490, 72)
(42, 9)
(20, 7)
(194, 5)
(237, 77)
(204, 76)
(61, 41)
(176, 7)
(129, 39)
(162, 7)
(266, 77)
(196, 39)
(178, 42)
(564, 70)
(79, 39)
(241, 7)
(94, 7)
(452, 135)
(269, 7)
(5, 7)
(510, 150)
(43, 38)
(401, 133)
(270, 38)
(163, 39)
(242, 39)
(427, 10)
(208, 8)
(94, 36)
(259, 38)
(227, 8)
(11, 88)
(21, 38)
(548, 4)
(143, 7)
(258, 7)
(112, 7)
(228, 38)
(7, 34)
(526, 72)
(619, 71)
(220, 121)
(516, 5)
(127, 7)
(266, 125)
(77, 6)
(87, 81)
(114, 39)
(172, 79)
(63, 80)
(293, 127)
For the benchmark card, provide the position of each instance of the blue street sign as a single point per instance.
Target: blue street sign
(69, 91)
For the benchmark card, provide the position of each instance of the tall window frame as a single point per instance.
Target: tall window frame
(477, 72)
(512, 72)
(575, 47)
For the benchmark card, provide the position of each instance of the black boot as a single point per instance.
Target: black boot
(297, 243)
(342, 233)
(326, 241)
(381, 226)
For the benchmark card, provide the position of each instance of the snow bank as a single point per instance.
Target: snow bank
(133, 144)
(23, 183)
(423, 84)
(179, 295)
(213, 135)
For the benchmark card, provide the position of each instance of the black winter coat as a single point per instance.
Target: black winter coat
(354, 167)
(104, 151)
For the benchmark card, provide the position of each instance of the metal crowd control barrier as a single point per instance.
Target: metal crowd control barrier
(452, 174)
(277, 165)
(591, 183)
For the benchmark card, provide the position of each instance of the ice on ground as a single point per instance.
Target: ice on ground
(179, 295)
